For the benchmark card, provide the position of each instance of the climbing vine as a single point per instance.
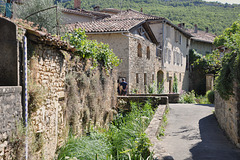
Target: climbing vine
(230, 71)
(88, 49)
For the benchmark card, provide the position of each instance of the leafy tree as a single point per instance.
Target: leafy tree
(230, 71)
(88, 49)
(47, 19)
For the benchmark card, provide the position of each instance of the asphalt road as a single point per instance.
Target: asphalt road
(193, 133)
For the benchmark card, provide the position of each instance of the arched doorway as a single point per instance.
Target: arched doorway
(160, 77)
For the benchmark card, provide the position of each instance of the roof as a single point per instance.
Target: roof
(107, 25)
(82, 12)
(123, 21)
(130, 13)
(110, 10)
(201, 36)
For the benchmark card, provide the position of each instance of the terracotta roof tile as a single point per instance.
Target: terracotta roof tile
(123, 21)
(202, 36)
(93, 14)
(107, 25)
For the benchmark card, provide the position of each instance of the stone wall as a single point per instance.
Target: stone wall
(10, 116)
(228, 116)
(73, 96)
(202, 47)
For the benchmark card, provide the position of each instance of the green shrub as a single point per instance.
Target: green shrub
(160, 88)
(175, 85)
(124, 140)
(188, 97)
(87, 147)
(210, 96)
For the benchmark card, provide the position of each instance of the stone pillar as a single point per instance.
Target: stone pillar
(209, 81)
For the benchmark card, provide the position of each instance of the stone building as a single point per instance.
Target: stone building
(202, 41)
(151, 48)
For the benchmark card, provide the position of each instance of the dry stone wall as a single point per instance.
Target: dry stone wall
(228, 116)
(74, 97)
(10, 115)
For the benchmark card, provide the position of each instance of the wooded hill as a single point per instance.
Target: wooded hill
(215, 16)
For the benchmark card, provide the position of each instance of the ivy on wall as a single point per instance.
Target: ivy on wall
(230, 71)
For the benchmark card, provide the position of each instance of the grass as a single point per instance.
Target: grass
(124, 140)
(164, 124)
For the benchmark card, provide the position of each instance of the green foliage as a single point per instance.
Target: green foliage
(216, 16)
(187, 97)
(163, 124)
(230, 71)
(45, 19)
(202, 99)
(210, 96)
(124, 140)
(88, 49)
(175, 85)
(210, 63)
(160, 87)
(86, 147)
(127, 133)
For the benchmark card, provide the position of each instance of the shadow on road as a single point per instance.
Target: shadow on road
(208, 105)
(214, 145)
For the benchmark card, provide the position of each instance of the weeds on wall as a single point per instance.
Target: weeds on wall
(37, 94)
(160, 88)
(161, 131)
(124, 140)
(175, 85)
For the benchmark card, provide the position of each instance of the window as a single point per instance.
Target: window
(187, 42)
(137, 78)
(187, 67)
(145, 78)
(169, 56)
(180, 39)
(152, 78)
(180, 77)
(148, 52)
(176, 36)
(139, 50)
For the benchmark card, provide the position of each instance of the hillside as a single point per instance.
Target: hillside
(216, 16)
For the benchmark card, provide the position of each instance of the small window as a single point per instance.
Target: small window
(148, 52)
(137, 78)
(180, 39)
(139, 50)
(152, 78)
(176, 36)
(145, 78)
(187, 64)
(180, 77)
(187, 42)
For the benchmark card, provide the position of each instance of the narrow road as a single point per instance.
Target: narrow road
(193, 133)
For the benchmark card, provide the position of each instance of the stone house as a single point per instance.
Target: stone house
(151, 48)
(202, 41)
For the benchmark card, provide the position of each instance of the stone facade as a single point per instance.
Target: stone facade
(202, 47)
(10, 116)
(75, 96)
(228, 116)
(174, 46)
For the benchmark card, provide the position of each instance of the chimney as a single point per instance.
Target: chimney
(141, 10)
(206, 29)
(181, 25)
(77, 4)
(96, 8)
(195, 28)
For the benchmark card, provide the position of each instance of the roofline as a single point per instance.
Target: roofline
(107, 32)
(199, 40)
(178, 28)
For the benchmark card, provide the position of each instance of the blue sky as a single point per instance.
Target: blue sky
(226, 1)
